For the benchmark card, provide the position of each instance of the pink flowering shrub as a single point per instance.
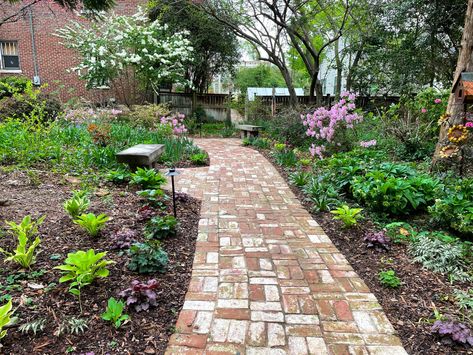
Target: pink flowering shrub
(367, 144)
(329, 126)
(176, 122)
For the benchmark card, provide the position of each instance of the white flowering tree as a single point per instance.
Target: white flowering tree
(115, 45)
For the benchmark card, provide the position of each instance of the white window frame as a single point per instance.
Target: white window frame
(9, 70)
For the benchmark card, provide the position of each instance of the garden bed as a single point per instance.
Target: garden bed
(410, 308)
(38, 294)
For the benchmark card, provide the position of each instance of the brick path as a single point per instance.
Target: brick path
(266, 279)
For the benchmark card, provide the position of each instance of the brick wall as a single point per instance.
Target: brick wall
(54, 59)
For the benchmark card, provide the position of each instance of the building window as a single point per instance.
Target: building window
(9, 59)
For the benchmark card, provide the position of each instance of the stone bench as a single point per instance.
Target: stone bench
(249, 131)
(140, 155)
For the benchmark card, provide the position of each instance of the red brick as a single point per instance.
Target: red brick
(342, 309)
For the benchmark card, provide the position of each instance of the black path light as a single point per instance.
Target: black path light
(173, 172)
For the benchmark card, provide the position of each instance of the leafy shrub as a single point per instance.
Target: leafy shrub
(91, 223)
(148, 178)
(5, 317)
(23, 255)
(199, 158)
(458, 332)
(118, 176)
(413, 123)
(10, 85)
(395, 189)
(114, 312)
(377, 240)
(349, 216)
(389, 279)
(82, 268)
(279, 147)
(286, 126)
(149, 116)
(161, 227)
(400, 232)
(77, 205)
(30, 105)
(443, 254)
(455, 208)
(141, 295)
(261, 143)
(153, 197)
(299, 178)
(147, 258)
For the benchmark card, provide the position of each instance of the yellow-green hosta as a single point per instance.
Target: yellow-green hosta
(5, 318)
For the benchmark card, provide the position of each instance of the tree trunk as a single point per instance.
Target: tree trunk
(290, 86)
(339, 66)
(454, 108)
(352, 67)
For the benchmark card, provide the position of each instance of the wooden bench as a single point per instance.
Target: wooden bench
(249, 131)
(140, 155)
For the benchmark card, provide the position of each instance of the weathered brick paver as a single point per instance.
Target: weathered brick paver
(266, 278)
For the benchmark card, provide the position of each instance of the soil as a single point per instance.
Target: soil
(37, 293)
(410, 308)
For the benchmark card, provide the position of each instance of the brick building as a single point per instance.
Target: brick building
(28, 47)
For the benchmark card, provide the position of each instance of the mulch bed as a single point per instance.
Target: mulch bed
(410, 306)
(147, 332)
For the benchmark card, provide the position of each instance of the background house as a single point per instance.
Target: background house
(29, 48)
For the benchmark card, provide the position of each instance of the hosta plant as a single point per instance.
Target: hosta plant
(161, 227)
(389, 279)
(25, 251)
(118, 176)
(141, 295)
(453, 331)
(114, 312)
(5, 317)
(147, 258)
(349, 216)
(148, 179)
(91, 223)
(82, 268)
(76, 205)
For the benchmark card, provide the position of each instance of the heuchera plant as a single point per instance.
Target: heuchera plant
(323, 124)
(141, 295)
(123, 239)
(458, 332)
(377, 240)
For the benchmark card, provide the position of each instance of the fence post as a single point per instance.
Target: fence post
(194, 101)
(229, 108)
(273, 103)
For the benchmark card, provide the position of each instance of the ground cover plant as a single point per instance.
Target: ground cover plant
(49, 310)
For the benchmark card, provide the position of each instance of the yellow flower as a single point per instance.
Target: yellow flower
(457, 133)
(449, 151)
(444, 118)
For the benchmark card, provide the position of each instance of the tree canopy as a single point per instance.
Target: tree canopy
(215, 46)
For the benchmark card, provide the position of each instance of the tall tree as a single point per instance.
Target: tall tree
(215, 45)
(455, 109)
(251, 22)
(18, 8)
(409, 44)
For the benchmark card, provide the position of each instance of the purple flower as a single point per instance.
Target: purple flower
(469, 125)
(423, 110)
(437, 101)
(367, 144)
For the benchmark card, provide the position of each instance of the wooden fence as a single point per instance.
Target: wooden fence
(214, 105)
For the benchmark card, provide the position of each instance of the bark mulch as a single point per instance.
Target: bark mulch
(410, 308)
(37, 293)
